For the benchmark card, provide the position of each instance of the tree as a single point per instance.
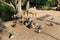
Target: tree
(43, 3)
(6, 10)
(9, 7)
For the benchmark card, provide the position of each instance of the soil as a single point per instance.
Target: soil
(48, 32)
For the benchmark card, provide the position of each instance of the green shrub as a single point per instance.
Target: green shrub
(6, 11)
(44, 4)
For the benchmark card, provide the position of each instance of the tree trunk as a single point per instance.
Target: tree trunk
(17, 5)
(27, 5)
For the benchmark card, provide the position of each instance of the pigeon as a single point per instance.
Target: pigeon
(51, 24)
(39, 29)
(11, 35)
(13, 25)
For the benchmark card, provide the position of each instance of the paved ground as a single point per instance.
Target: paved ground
(48, 32)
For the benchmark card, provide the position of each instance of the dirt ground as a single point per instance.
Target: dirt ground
(48, 32)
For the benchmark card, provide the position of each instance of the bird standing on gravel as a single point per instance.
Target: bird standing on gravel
(39, 29)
